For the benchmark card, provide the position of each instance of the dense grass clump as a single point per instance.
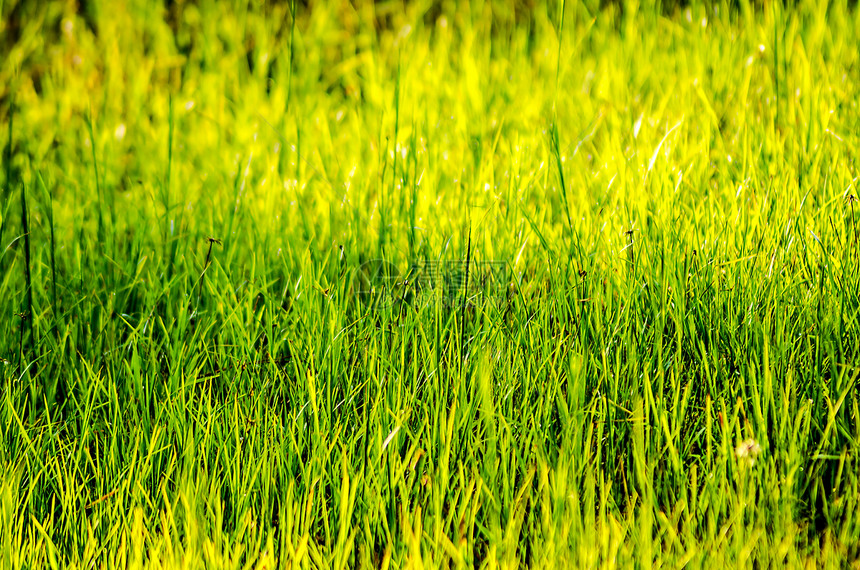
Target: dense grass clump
(429, 285)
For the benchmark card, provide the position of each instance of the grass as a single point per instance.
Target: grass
(195, 198)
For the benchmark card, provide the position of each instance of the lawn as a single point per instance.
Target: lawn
(429, 284)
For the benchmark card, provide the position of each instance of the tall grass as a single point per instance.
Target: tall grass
(669, 378)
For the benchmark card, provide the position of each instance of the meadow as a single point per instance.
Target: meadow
(220, 345)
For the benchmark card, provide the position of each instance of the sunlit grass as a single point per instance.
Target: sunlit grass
(192, 377)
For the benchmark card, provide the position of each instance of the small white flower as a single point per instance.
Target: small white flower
(748, 450)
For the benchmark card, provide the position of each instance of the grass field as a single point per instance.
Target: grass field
(222, 348)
